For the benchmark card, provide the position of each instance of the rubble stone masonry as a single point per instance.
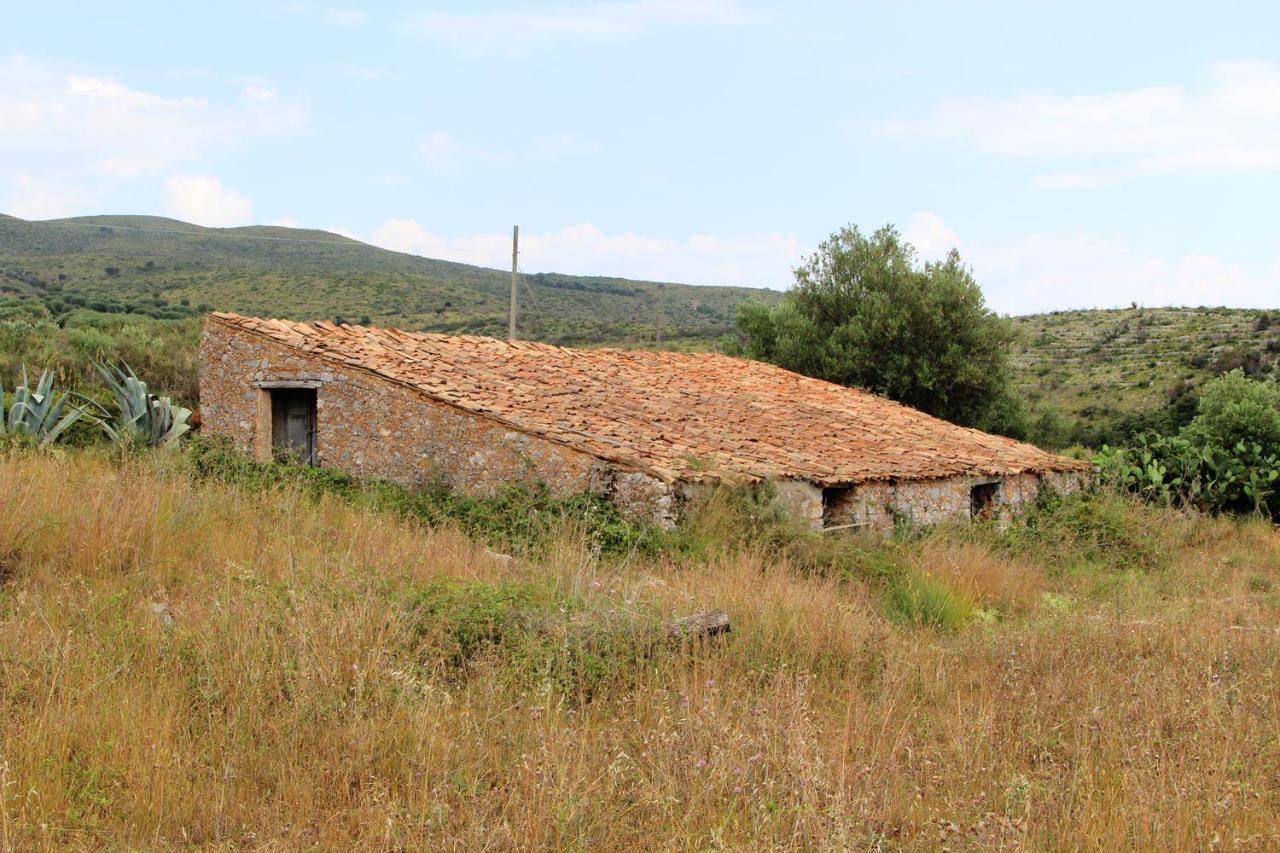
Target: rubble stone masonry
(371, 427)
(879, 506)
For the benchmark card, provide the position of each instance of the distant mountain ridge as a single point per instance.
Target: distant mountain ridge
(166, 267)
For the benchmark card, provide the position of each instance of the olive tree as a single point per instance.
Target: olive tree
(867, 312)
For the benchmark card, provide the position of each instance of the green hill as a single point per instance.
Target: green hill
(170, 269)
(1098, 371)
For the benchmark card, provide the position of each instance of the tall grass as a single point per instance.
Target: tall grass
(205, 664)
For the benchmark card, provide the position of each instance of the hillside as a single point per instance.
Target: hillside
(1094, 368)
(170, 269)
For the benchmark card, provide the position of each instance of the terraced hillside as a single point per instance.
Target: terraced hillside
(1095, 367)
(170, 269)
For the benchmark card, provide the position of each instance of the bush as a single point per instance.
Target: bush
(1181, 471)
(519, 516)
(162, 352)
(1235, 409)
(1227, 459)
(1092, 530)
(526, 632)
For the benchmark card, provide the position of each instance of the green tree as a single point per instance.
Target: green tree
(866, 312)
(1234, 408)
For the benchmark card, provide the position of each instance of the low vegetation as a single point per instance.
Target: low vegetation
(1226, 458)
(201, 651)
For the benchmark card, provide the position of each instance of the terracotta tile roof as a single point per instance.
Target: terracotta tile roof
(681, 416)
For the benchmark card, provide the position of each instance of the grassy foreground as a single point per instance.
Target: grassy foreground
(192, 663)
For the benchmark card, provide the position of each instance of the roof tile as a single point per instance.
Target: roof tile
(670, 413)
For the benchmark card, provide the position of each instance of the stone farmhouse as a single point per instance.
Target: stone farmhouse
(645, 429)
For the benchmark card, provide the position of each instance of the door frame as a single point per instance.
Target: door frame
(263, 437)
(280, 399)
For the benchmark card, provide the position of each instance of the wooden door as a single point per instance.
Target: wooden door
(293, 422)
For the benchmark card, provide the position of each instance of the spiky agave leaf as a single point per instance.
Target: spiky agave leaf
(38, 412)
(21, 405)
(156, 421)
(54, 425)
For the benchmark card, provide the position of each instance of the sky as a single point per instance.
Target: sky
(1077, 155)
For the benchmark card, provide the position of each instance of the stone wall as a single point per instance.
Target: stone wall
(880, 505)
(802, 500)
(373, 427)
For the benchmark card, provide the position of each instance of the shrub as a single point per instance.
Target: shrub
(925, 601)
(1093, 530)
(1181, 471)
(526, 632)
(1234, 409)
(523, 516)
(467, 617)
(1226, 459)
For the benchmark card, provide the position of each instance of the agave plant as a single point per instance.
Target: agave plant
(142, 418)
(37, 412)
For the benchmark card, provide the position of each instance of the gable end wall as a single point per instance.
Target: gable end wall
(373, 427)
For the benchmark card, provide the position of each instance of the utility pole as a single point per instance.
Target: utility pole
(659, 325)
(515, 251)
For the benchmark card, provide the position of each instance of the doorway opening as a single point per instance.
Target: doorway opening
(293, 423)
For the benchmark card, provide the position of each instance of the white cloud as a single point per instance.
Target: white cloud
(764, 260)
(205, 201)
(445, 156)
(65, 128)
(521, 31)
(1046, 272)
(100, 127)
(932, 237)
(346, 17)
(1228, 123)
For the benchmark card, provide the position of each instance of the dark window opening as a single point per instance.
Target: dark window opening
(834, 506)
(293, 423)
(982, 500)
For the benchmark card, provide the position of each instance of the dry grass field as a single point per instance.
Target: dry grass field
(191, 664)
